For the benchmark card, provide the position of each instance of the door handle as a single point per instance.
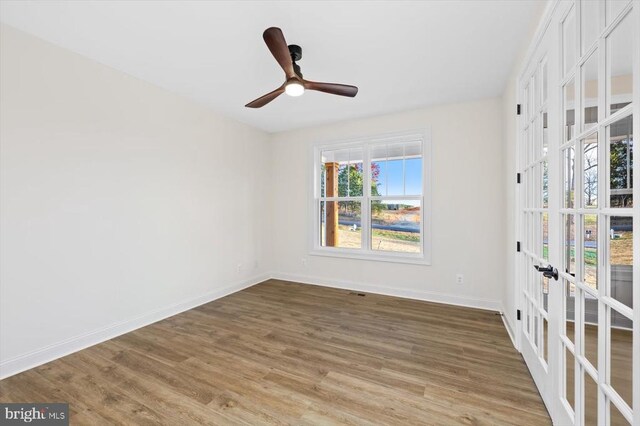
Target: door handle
(548, 271)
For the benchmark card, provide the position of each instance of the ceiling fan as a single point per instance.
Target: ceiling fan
(294, 84)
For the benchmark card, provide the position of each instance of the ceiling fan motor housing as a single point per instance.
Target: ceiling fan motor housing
(296, 55)
(296, 52)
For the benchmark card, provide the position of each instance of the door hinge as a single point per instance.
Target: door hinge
(518, 246)
(518, 314)
(518, 109)
(518, 178)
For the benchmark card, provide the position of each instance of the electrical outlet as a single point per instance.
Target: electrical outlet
(239, 267)
(459, 279)
(304, 261)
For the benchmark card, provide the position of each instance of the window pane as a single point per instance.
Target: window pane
(323, 179)
(352, 177)
(620, 59)
(569, 115)
(335, 165)
(569, 177)
(378, 170)
(590, 92)
(395, 170)
(395, 226)
(341, 224)
(413, 168)
(621, 162)
(569, 40)
(590, 20)
(590, 167)
(590, 264)
(621, 259)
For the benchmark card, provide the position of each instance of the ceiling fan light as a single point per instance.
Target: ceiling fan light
(294, 89)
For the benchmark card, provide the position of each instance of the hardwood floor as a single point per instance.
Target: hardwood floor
(288, 353)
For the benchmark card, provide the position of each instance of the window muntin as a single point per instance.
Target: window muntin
(370, 199)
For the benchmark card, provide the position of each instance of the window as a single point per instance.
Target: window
(370, 199)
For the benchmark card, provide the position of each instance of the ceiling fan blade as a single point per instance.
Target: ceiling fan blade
(265, 99)
(276, 43)
(333, 88)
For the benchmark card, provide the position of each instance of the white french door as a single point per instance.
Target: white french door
(534, 218)
(579, 266)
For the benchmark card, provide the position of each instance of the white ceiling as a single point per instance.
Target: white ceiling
(402, 55)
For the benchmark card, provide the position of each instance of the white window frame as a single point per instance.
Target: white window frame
(365, 252)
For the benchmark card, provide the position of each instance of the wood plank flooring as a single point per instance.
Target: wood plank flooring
(287, 353)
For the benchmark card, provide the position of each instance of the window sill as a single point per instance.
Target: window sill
(348, 254)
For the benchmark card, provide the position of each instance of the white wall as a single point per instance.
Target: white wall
(120, 202)
(468, 208)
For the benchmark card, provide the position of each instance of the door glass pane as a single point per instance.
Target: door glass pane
(590, 92)
(536, 327)
(569, 378)
(569, 97)
(526, 104)
(590, 248)
(395, 226)
(545, 134)
(621, 259)
(569, 177)
(569, 40)
(545, 236)
(569, 294)
(590, 401)
(545, 81)
(545, 184)
(545, 340)
(620, 59)
(529, 320)
(614, 7)
(545, 293)
(590, 328)
(620, 139)
(590, 27)
(341, 224)
(617, 419)
(570, 243)
(620, 351)
(590, 170)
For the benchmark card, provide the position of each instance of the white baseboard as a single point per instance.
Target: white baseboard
(46, 354)
(449, 299)
(509, 326)
(49, 353)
